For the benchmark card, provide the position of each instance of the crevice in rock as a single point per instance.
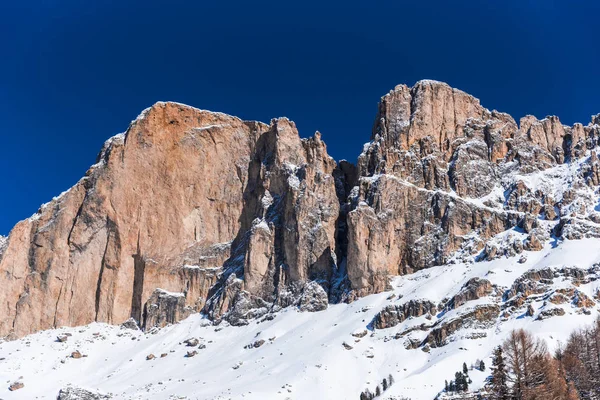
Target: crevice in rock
(100, 275)
(139, 266)
(346, 178)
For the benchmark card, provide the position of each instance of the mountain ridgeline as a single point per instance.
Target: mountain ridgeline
(195, 211)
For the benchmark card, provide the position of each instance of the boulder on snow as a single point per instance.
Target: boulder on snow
(16, 386)
(192, 342)
(130, 324)
(76, 354)
(62, 338)
(313, 298)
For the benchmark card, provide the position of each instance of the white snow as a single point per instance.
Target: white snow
(267, 200)
(164, 292)
(305, 358)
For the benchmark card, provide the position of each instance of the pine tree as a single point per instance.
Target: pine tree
(384, 384)
(377, 391)
(465, 369)
(481, 366)
(451, 386)
(390, 380)
(498, 385)
(446, 385)
(461, 382)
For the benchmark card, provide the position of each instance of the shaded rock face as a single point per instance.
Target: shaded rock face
(242, 218)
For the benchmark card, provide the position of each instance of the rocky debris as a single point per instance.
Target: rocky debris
(581, 300)
(191, 342)
(536, 283)
(238, 365)
(347, 346)
(130, 324)
(479, 317)
(530, 311)
(274, 221)
(163, 355)
(530, 283)
(360, 334)
(474, 289)
(412, 343)
(255, 345)
(62, 338)
(76, 354)
(393, 315)
(150, 357)
(553, 312)
(16, 386)
(75, 393)
(558, 298)
(313, 298)
(191, 353)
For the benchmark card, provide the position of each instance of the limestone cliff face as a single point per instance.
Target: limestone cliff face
(441, 176)
(192, 211)
(161, 209)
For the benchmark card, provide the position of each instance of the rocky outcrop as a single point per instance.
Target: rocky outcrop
(75, 393)
(164, 308)
(479, 317)
(393, 315)
(474, 289)
(242, 218)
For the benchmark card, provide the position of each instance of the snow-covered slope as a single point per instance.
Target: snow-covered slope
(303, 355)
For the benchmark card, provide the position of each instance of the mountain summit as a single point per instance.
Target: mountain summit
(194, 211)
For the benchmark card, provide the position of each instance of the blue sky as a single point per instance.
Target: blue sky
(74, 73)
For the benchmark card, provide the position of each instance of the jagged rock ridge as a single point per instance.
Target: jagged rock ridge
(192, 210)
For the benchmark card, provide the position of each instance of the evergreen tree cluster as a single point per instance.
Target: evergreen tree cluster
(385, 385)
(461, 381)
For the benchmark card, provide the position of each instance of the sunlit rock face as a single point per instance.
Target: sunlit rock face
(191, 211)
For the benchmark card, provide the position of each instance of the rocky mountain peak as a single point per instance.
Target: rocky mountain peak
(197, 211)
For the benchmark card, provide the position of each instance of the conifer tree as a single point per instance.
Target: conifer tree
(498, 385)
(461, 382)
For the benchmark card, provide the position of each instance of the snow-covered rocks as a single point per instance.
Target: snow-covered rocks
(308, 354)
(75, 393)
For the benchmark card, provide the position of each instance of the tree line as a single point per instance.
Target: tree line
(523, 368)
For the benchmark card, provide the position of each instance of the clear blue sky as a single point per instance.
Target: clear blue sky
(73, 73)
